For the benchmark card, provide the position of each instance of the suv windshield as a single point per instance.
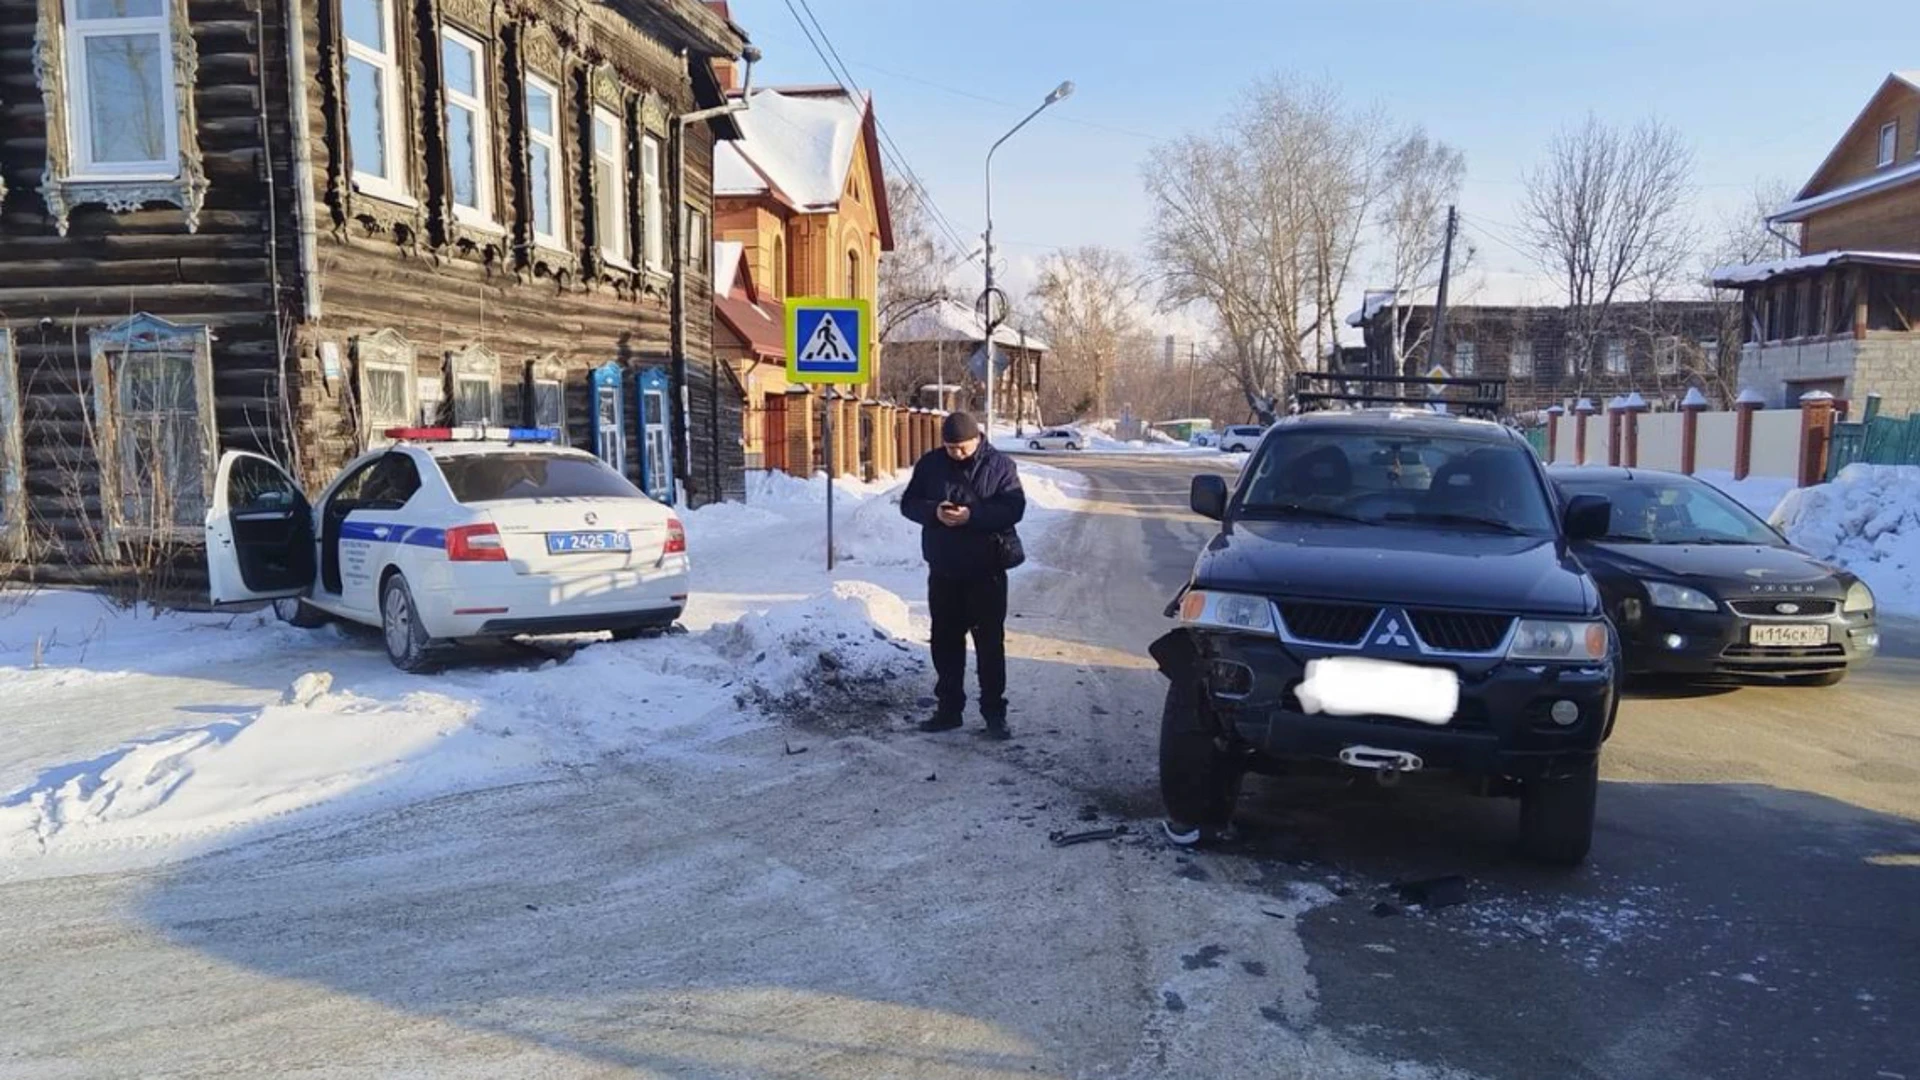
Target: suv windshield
(494, 477)
(1650, 510)
(1389, 478)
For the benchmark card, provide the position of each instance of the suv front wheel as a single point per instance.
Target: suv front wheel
(1199, 780)
(1556, 815)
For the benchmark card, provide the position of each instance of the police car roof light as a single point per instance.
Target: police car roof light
(473, 434)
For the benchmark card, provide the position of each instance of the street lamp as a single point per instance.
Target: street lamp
(989, 315)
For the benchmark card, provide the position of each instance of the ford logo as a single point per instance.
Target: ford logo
(1787, 609)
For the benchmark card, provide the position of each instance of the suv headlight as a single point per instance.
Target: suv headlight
(1228, 611)
(1859, 598)
(1546, 639)
(1668, 595)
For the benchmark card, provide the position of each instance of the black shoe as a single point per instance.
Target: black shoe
(940, 721)
(997, 729)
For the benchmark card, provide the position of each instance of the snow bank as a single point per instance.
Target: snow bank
(1867, 520)
(64, 634)
(834, 659)
(1760, 494)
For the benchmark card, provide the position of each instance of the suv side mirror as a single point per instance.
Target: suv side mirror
(1588, 517)
(1209, 496)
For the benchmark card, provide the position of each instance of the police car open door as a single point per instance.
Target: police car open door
(260, 540)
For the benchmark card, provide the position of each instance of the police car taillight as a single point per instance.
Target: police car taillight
(475, 543)
(676, 538)
(473, 434)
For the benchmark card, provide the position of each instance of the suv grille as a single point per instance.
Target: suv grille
(1460, 631)
(1771, 607)
(1328, 624)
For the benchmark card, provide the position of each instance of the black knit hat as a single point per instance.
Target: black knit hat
(958, 428)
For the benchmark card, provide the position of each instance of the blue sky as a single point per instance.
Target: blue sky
(1761, 88)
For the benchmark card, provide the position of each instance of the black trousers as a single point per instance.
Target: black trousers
(959, 606)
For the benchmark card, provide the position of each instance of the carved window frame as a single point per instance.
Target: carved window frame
(608, 100)
(13, 478)
(475, 364)
(546, 370)
(119, 496)
(477, 24)
(62, 186)
(388, 351)
(653, 181)
(391, 212)
(538, 55)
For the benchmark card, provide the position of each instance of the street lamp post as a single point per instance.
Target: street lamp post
(989, 315)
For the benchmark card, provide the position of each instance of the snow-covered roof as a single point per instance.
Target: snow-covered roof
(726, 265)
(1910, 77)
(1756, 273)
(798, 146)
(950, 320)
(1801, 209)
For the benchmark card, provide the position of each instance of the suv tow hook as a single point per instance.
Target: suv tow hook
(1386, 765)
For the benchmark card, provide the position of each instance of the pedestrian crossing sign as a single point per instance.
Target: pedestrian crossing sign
(827, 340)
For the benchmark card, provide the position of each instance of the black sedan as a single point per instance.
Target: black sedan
(1699, 586)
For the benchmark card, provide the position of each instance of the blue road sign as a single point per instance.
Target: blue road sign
(828, 340)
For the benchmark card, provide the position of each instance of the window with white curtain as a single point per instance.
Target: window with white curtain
(653, 205)
(120, 82)
(545, 166)
(463, 61)
(610, 187)
(1520, 360)
(1465, 358)
(1616, 357)
(376, 115)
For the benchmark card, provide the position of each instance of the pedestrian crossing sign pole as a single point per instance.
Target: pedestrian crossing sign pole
(828, 343)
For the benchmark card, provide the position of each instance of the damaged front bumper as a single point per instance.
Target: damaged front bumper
(1506, 725)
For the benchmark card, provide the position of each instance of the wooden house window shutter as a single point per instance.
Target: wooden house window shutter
(117, 78)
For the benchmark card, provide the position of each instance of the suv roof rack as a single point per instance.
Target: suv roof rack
(1484, 397)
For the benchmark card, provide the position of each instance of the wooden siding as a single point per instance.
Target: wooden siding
(54, 289)
(1889, 221)
(1857, 156)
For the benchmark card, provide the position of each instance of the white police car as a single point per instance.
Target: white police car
(450, 535)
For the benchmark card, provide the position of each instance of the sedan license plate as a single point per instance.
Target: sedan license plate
(1787, 637)
(575, 543)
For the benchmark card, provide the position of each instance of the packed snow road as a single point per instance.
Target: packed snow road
(833, 896)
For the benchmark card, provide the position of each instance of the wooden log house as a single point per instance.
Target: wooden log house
(289, 225)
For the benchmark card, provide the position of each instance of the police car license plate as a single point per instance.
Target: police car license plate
(574, 543)
(1787, 636)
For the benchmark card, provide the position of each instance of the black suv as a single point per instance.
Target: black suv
(1391, 591)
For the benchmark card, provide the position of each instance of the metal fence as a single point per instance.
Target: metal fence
(1537, 438)
(1874, 440)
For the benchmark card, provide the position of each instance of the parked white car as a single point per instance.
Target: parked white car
(448, 536)
(1241, 438)
(1204, 439)
(1057, 439)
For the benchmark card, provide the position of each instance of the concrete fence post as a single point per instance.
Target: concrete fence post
(1690, 410)
(1631, 407)
(1749, 402)
(1816, 435)
(1616, 410)
(1582, 411)
(1553, 431)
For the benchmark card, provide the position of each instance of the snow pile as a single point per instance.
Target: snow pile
(777, 489)
(1760, 494)
(876, 533)
(58, 635)
(833, 659)
(1867, 520)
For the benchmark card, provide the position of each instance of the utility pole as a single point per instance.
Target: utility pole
(1193, 366)
(1437, 341)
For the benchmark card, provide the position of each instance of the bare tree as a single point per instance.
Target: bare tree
(913, 276)
(1088, 300)
(1605, 213)
(1421, 177)
(1740, 237)
(1261, 225)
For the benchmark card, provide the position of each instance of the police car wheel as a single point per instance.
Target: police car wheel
(298, 613)
(400, 628)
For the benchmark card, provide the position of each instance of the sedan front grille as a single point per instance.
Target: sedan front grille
(1328, 624)
(1771, 608)
(1460, 631)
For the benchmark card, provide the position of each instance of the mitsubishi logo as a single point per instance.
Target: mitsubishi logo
(1391, 634)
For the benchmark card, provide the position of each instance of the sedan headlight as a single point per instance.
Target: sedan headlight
(1228, 611)
(1668, 595)
(1859, 598)
(1545, 639)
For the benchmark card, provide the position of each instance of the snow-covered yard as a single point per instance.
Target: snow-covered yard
(138, 737)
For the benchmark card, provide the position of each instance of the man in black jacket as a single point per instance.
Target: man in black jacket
(966, 498)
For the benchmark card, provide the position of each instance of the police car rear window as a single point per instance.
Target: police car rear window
(496, 477)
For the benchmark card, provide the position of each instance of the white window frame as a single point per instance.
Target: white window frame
(386, 350)
(1617, 348)
(78, 31)
(652, 164)
(110, 347)
(1889, 143)
(1466, 358)
(1520, 359)
(475, 106)
(475, 364)
(1666, 355)
(610, 200)
(393, 125)
(1709, 350)
(13, 481)
(556, 193)
(698, 243)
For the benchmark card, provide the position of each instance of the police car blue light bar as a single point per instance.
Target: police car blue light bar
(473, 434)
